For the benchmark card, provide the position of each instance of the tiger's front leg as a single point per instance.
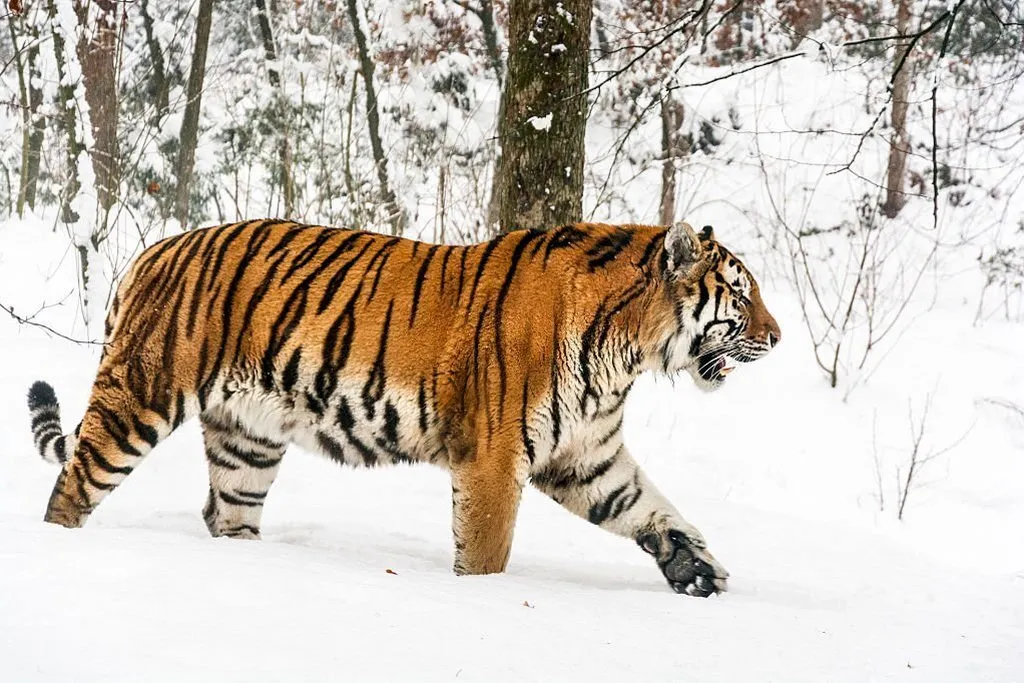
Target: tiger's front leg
(609, 489)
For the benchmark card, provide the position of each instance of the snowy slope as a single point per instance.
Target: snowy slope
(821, 588)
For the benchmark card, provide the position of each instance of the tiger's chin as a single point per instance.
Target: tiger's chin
(709, 372)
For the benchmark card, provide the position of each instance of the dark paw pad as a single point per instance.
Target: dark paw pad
(688, 567)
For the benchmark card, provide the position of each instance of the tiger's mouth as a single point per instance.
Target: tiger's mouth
(714, 367)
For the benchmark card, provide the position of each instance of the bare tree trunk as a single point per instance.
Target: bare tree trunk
(396, 213)
(158, 78)
(672, 147)
(280, 108)
(539, 175)
(97, 53)
(486, 14)
(899, 144)
(33, 125)
(68, 118)
(190, 120)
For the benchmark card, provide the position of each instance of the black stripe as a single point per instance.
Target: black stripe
(309, 251)
(257, 297)
(385, 254)
(556, 400)
(444, 265)
(232, 500)
(373, 390)
(499, 307)
(599, 470)
(531, 453)
(390, 423)
(145, 432)
(101, 462)
(46, 418)
(93, 481)
(462, 268)
(601, 510)
(564, 237)
(281, 331)
(287, 239)
(252, 495)
(611, 433)
(218, 261)
(335, 354)
(607, 248)
(421, 402)
(586, 348)
(488, 250)
(421, 278)
(339, 277)
(250, 458)
(228, 308)
(346, 421)
(291, 370)
(179, 409)
(652, 246)
(634, 291)
(43, 440)
(117, 429)
(626, 503)
(333, 449)
(702, 299)
(211, 456)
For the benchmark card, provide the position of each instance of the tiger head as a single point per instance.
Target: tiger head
(719, 315)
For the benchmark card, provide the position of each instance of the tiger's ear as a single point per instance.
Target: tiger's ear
(682, 249)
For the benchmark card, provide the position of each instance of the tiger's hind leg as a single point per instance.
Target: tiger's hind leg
(117, 431)
(242, 469)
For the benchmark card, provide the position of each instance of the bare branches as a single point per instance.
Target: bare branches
(49, 330)
(919, 456)
(686, 21)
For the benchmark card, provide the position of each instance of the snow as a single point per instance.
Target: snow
(774, 469)
(541, 122)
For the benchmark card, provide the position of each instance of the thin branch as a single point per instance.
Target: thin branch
(689, 20)
(46, 328)
(935, 141)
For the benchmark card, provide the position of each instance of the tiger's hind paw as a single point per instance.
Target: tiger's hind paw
(688, 567)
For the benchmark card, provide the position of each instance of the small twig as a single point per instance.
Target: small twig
(1005, 404)
(935, 141)
(46, 328)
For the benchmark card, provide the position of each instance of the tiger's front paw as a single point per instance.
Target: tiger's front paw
(685, 562)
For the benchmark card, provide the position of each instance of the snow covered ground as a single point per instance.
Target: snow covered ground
(774, 469)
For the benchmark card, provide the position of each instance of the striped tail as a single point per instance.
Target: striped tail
(52, 444)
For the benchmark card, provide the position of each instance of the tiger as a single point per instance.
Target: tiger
(504, 362)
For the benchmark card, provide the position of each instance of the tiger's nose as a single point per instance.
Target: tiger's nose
(773, 339)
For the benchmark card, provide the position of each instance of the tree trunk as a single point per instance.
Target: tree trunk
(899, 144)
(97, 53)
(190, 120)
(672, 147)
(486, 14)
(280, 108)
(68, 118)
(396, 213)
(158, 78)
(539, 174)
(33, 125)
